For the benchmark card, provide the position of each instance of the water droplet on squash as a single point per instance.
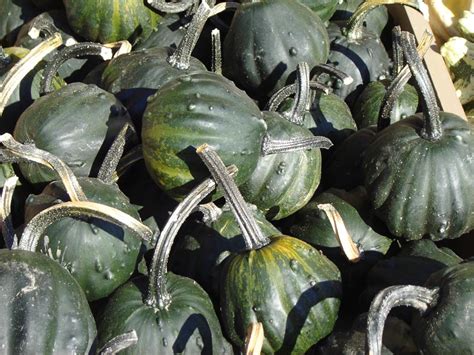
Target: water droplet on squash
(198, 95)
(211, 108)
(255, 308)
(165, 342)
(108, 275)
(98, 266)
(191, 107)
(199, 343)
(281, 168)
(94, 229)
(312, 283)
(293, 51)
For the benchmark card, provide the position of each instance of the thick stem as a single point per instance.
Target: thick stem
(351, 251)
(254, 339)
(62, 56)
(11, 240)
(30, 153)
(355, 27)
(302, 99)
(397, 52)
(158, 295)
(285, 92)
(80, 209)
(432, 129)
(170, 7)
(210, 212)
(253, 235)
(24, 66)
(119, 343)
(270, 146)
(41, 25)
(320, 69)
(421, 298)
(398, 84)
(107, 172)
(216, 51)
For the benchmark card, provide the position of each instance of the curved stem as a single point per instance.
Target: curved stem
(355, 26)
(397, 85)
(351, 251)
(421, 298)
(182, 55)
(107, 172)
(170, 7)
(397, 50)
(11, 240)
(40, 25)
(119, 343)
(134, 155)
(270, 146)
(253, 235)
(30, 153)
(216, 51)
(62, 56)
(285, 92)
(432, 129)
(210, 212)
(327, 69)
(158, 295)
(79, 209)
(254, 339)
(24, 66)
(302, 96)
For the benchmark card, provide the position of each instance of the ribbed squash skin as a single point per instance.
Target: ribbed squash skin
(259, 54)
(367, 107)
(44, 311)
(447, 328)
(101, 256)
(323, 8)
(135, 76)
(295, 314)
(419, 187)
(77, 123)
(193, 110)
(188, 326)
(201, 247)
(283, 183)
(110, 20)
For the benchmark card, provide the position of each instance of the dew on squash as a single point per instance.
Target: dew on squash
(281, 168)
(191, 107)
(211, 108)
(108, 275)
(256, 309)
(293, 51)
(199, 343)
(293, 264)
(165, 342)
(98, 265)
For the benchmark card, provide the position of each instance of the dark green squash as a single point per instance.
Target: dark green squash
(203, 244)
(171, 314)
(444, 323)
(75, 123)
(325, 9)
(110, 21)
(418, 171)
(359, 52)
(100, 255)
(255, 284)
(44, 310)
(193, 109)
(261, 54)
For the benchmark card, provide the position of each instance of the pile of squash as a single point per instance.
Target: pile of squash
(209, 177)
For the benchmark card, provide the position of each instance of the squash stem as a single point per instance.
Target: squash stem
(158, 295)
(108, 169)
(133, 156)
(397, 85)
(41, 25)
(170, 7)
(254, 339)
(355, 27)
(119, 343)
(29, 153)
(421, 298)
(24, 66)
(216, 51)
(327, 69)
(302, 99)
(11, 240)
(271, 146)
(62, 56)
(253, 235)
(432, 129)
(397, 53)
(80, 209)
(285, 92)
(210, 212)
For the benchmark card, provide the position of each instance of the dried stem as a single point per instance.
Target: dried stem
(11, 240)
(254, 339)
(119, 343)
(216, 51)
(270, 146)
